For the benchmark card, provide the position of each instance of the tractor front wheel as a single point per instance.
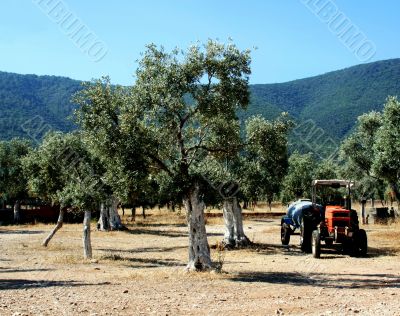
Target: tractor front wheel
(316, 244)
(285, 234)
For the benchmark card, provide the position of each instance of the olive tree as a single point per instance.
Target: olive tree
(358, 153)
(386, 163)
(12, 179)
(266, 156)
(357, 150)
(184, 106)
(100, 116)
(62, 171)
(254, 173)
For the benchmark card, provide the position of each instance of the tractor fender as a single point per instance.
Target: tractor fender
(287, 220)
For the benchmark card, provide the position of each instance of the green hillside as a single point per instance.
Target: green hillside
(23, 97)
(331, 101)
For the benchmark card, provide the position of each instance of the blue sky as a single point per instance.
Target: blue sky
(292, 42)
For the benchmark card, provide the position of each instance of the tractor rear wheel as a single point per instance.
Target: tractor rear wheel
(316, 244)
(361, 243)
(285, 234)
(305, 235)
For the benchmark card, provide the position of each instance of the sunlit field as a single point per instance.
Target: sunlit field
(141, 270)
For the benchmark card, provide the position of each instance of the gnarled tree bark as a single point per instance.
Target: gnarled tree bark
(229, 236)
(115, 219)
(103, 223)
(109, 217)
(234, 233)
(59, 224)
(199, 251)
(87, 245)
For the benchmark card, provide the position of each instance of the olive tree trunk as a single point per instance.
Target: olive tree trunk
(234, 232)
(109, 217)
(87, 245)
(59, 224)
(199, 251)
(104, 219)
(227, 211)
(115, 219)
(17, 208)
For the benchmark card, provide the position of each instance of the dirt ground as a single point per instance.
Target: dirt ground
(140, 271)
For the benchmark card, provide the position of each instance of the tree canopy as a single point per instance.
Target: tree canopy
(12, 179)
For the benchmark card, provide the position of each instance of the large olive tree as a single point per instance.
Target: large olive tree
(184, 105)
(181, 109)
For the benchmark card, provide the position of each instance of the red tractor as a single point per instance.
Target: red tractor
(328, 217)
(338, 222)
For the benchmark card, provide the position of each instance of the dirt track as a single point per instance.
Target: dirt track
(141, 272)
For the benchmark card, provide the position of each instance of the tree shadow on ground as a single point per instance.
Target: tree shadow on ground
(164, 233)
(382, 252)
(8, 270)
(145, 262)
(331, 252)
(268, 249)
(326, 280)
(144, 249)
(158, 225)
(155, 263)
(264, 220)
(15, 284)
(22, 232)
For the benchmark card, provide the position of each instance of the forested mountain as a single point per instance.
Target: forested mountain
(24, 97)
(332, 100)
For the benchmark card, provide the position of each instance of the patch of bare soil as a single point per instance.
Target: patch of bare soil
(140, 271)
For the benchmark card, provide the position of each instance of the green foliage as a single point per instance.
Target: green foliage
(358, 154)
(100, 116)
(327, 169)
(184, 107)
(358, 149)
(386, 164)
(297, 183)
(62, 171)
(12, 179)
(265, 160)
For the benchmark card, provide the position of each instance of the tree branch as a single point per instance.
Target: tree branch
(160, 164)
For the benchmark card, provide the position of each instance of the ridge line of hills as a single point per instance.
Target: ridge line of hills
(332, 100)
